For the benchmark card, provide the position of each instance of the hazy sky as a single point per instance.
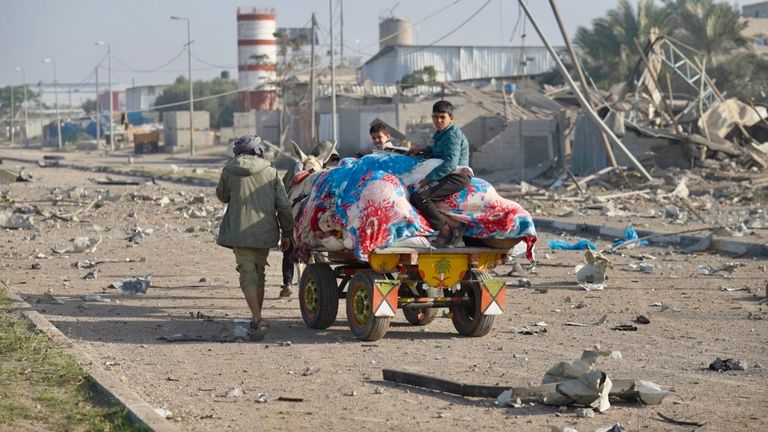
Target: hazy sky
(144, 38)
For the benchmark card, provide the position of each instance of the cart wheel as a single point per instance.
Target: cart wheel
(467, 318)
(362, 322)
(422, 317)
(319, 296)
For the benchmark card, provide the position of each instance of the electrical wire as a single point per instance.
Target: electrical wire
(130, 69)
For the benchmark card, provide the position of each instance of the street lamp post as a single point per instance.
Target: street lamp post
(56, 101)
(11, 115)
(111, 102)
(191, 95)
(26, 114)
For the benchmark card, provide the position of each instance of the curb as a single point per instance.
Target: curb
(736, 247)
(139, 410)
(169, 178)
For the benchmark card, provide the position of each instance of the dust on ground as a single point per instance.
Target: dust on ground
(194, 291)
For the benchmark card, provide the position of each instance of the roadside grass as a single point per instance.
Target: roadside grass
(43, 388)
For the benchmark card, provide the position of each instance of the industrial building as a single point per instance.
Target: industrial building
(142, 98)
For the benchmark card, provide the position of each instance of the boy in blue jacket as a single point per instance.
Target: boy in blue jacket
(453, 175)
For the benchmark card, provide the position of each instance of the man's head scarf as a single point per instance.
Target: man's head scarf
(246, 143)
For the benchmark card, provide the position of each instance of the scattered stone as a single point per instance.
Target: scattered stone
(35, 266)
(378, 390)
(285, 344)
(647, 268)
(585, 412)
(727, 364)
(79, 245)
(672, 212)
(234, 392)
(524, 283)
(95, 298)
(261, 398)
(642, 319)
(93, 274)
(164, 413)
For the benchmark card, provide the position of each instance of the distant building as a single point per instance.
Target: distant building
(456, 63)
(142, 98)
(757, 29)
(755, 10)
(118, 100)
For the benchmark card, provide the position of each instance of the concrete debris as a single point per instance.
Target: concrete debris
(642, 319)
(708, 270)
(133, 285)
(727, 365)
(93, 274)
(95, 298)
(566, 371)
(80, 245)
(261, 398)
(164, 413)
(601, 321)
(234, 392)
(49, 299)
(585, 413)
(137, 234)
(647, 268)
(525, 330)
(11, 220)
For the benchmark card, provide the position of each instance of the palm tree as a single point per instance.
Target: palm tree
(609, 47)
(714, 28)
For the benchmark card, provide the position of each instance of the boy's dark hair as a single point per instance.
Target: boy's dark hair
(443, 106)
(378, 127)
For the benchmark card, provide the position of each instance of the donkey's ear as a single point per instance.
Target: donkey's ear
(298, 152)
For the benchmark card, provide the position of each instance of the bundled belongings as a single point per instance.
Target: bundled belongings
(362, 205)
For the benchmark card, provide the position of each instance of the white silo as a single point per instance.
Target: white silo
(395, 31)
(257, 58)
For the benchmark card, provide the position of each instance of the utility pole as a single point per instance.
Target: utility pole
(333, 82)
(341, 24)
(11, 115)
(109, 99)
(582, 80)
(56, 101)
(26, 108)
(98, 109)
(191, 96)
(591, 112)
(312, 133)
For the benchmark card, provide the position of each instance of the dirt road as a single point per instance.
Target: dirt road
(338, 377)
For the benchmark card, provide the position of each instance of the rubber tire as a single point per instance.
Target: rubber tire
(375, 327)
(468, 320)
(422, 317)
(327, 296)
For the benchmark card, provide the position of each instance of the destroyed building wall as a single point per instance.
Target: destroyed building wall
(525, 149)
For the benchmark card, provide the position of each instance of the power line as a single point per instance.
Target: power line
(130, 69)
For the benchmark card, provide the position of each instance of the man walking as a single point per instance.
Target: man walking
(258, 214)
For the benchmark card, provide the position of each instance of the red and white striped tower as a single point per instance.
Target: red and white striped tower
(256, 58)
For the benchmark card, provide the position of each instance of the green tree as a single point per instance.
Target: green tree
(221, 108)
(743, 76)
(89, 106)
(425, 75)
(714, 28)
(18, 99)
(608, 48)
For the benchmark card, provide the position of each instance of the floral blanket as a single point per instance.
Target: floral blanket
(363, 205)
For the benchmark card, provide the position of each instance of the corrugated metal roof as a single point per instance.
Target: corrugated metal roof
(377, 90)
(456, 63)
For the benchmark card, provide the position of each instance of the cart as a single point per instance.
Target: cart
(417, 281)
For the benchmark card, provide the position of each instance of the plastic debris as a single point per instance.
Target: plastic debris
(591, 276)
(647, 268)
(630, 235)
(583, 244)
